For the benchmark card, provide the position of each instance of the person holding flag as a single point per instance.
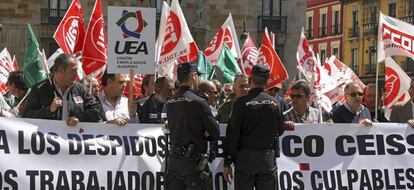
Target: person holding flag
(60, 97)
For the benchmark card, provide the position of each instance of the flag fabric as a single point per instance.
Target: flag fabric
(5, 69)
(15, 66)
(173, 44)
(165, 11)
(397, 83)
(33, 68)
(168, 69)
(70, 34)
(94, 53)
(342, 75)
(136, 85)
(227, 65)
(310, 67)
(268, 55)
(204, 66)
(249, 54)
(226, 34)
(395, 37)
(44, 61)
(191, 46)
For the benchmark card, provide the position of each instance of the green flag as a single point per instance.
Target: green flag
(204, 66)
(33, 67)
(227, 65)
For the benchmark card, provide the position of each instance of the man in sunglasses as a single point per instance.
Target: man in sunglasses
(352, 111)
(301, 112)
(208, 91)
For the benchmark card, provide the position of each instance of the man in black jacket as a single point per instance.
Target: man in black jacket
(61, 98)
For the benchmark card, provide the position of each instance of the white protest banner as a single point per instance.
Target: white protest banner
(44, 154)
(131, 40)
(395, 37)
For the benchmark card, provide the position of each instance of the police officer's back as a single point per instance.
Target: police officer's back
(191, 124)
(255, 123)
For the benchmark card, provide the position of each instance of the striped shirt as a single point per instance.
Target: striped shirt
(311, 116)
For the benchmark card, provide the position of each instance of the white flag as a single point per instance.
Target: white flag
(395, 37)
(397, 83)
(226, 34)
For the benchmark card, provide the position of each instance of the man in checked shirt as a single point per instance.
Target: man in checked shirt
(301, 111)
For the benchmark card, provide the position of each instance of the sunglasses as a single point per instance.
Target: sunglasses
(355, 94)
(293, 96)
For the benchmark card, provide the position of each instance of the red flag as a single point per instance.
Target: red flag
(15, 66)
(249, 54)
(70, 33)
(5, 63)
(137, 86)
(268, 55)
(94, 53)
(397, 84)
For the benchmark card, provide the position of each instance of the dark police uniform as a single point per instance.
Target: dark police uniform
(153, 111)
(251, 139)
(189, 120)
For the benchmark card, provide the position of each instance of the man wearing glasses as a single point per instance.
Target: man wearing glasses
(352, 111)
(301, 112)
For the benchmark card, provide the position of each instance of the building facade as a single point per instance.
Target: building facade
(324, 27)
(361, 19)
(203, 17)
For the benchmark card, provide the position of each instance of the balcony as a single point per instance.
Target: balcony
(52, 16)
(323, 32)
(353, 32)
(370, 29)
(336, 30)
(275, 24)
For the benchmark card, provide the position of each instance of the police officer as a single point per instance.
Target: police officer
(191, 125)
(255, 123)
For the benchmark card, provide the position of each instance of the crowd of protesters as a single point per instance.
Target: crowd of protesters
(60, 97)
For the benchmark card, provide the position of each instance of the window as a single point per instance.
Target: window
(335, 52)
(267, 7)
(354, 23)
(335, 29)
(323, 55)
(354, 61)
(372, 59)
(59, 4)
(53, 14)
(392, 7)
(309, 27)
(323, 25)
(409, 66)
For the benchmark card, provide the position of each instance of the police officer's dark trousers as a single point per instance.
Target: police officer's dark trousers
(183, 175)
(254, 168)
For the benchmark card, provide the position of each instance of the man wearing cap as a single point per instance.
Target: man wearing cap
(251, 134)
(191, 125)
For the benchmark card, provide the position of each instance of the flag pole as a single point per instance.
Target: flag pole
(131, 87)
(376, 93)
(46, 67)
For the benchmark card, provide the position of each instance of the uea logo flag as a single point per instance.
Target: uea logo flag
(70, 33)
(397, 83)
(226, 34)
(131, 39)
(95, 47)
(395, 37)
(268, 55)
(249, 55)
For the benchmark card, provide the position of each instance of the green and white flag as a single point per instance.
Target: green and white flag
(227, 65)
(33, 71)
